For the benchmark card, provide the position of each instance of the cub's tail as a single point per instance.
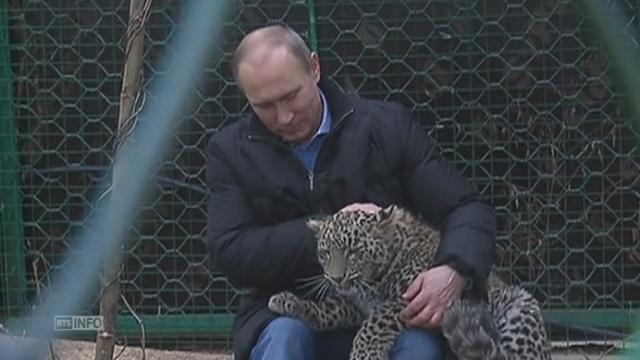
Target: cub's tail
(471, 332)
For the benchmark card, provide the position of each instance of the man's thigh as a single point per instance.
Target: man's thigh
(285, 338)
(412, 344)
(289, 338)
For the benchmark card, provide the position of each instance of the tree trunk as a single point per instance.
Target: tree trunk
(131, 82)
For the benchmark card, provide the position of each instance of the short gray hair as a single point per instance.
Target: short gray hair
(275, 36)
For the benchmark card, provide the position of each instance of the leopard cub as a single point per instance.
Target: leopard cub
(370, 259)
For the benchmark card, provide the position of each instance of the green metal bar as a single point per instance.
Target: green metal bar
(217, 325)
(600, 318)
(632, 351)
(313, 27)
(178, 325)
(220, 324)
(11, 237)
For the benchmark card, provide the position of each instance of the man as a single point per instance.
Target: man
(308, 149)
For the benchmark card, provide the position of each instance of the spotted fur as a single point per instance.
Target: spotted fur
(370, 259)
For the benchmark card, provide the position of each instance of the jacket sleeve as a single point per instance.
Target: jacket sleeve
(449, 202)
(266, 257)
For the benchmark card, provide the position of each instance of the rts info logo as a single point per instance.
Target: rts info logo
(77, 323)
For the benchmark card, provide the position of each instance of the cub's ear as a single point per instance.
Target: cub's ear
(386, 219)
(388, 214)
(315, 225)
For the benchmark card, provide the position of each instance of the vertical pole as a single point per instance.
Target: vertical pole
(608, 24)
(624, 54)
(12, 247)
(131, 82)
(313, 30)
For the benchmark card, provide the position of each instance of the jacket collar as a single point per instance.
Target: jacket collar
(340, 105)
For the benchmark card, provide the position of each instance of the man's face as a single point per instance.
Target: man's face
(283, 94)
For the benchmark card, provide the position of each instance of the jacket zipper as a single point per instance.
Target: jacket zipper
(310, 173)
(332, 131)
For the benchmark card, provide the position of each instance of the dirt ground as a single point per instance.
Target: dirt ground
(85, 351)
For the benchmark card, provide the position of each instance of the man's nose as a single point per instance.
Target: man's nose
(284, 116)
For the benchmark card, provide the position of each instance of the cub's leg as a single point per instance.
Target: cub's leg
(378, 333)
(331, 313)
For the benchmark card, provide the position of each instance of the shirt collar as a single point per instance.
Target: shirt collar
(325, 125)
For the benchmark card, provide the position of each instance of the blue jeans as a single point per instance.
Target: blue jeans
(288, 338)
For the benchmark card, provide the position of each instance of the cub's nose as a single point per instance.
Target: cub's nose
(337, 278)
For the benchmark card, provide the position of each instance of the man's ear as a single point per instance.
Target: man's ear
(314, 66)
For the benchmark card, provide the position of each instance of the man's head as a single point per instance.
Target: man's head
(279, 75)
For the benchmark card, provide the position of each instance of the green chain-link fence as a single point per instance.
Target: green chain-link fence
(516, 92)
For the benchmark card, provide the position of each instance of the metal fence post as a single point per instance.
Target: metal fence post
(12, 248)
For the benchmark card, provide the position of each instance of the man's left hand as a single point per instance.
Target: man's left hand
(429, 296)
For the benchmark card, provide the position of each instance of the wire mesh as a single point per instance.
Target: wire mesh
(517, 93)
(522, 100)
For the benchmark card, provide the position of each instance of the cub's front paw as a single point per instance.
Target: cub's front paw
(284, 303)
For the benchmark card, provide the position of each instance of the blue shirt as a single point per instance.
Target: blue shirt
(308, 152)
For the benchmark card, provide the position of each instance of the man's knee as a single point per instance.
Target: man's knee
(417, 344)
(284, 338)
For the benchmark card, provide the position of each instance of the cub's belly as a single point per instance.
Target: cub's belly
(364, 300)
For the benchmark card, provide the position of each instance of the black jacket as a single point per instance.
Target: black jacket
(261, 195)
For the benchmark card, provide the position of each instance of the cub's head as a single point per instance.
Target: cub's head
(356, 246)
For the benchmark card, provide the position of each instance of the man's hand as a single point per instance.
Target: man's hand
(429, 296)
(366, 207)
